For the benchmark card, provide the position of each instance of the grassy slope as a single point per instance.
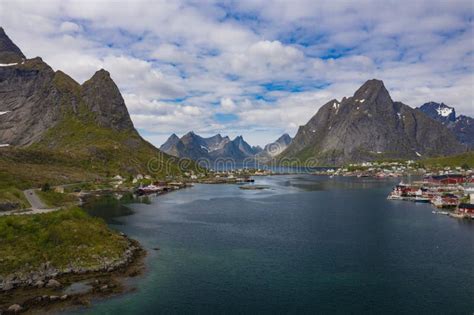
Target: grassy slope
(15, 195)
(451, 161)
(103, 150)
(76, 150)
(62, 237)
(55, 199)
(26, 168)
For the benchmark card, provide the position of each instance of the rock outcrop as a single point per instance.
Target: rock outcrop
(9, 52)
(102, 97)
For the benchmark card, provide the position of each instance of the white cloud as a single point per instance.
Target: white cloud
(178, 63)
(227, 105)
(69, 27)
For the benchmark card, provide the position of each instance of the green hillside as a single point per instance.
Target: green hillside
(61, 238)
(465, 159)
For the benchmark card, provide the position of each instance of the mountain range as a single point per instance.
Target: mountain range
(368, 126)
(46, 110)
(88, 125)
(217, 147)
(462, 126)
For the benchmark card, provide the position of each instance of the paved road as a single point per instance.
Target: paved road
(37, 206)
(34, 200)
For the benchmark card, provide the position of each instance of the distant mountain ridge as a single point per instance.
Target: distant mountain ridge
(369, 126)
(275, 148)
(195, 147)
(439, 111)
(462, 126)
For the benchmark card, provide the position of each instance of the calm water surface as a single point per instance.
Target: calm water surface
(307, 245)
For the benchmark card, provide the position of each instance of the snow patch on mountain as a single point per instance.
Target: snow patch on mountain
(444, 111)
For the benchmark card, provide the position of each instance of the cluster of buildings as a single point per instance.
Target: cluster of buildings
(160, 187)
(213, 177)
(377, 169)
(233, 176)
(453, 192)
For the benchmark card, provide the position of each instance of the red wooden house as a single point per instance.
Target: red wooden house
(467, 209)
(449, 179)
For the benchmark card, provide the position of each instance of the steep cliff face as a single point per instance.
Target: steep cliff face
(463, 128)
(33, 97)
(43, 109)
(9, 52)
(102, 97)
(368, 126)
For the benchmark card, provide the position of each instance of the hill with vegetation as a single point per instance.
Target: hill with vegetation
(57, 238)
(465, 160)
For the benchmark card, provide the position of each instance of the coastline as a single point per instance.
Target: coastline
(56, 290)
(103, 282)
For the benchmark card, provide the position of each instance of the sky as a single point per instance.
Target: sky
(256, 68)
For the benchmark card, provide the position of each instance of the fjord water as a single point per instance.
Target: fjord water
(308, 244)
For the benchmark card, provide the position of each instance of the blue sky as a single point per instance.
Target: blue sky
(251, 67)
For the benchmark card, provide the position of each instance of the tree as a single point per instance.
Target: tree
(46, 187)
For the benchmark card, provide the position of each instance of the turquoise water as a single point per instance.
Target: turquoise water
(307, 245)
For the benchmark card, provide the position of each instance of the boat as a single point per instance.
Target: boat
(422, 199)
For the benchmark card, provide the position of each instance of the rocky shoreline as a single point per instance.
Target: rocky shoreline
(47, 287)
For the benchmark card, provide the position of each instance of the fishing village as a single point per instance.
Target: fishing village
(449, 189)
(451, 194)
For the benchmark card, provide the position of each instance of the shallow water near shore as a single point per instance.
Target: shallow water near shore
(307, 244)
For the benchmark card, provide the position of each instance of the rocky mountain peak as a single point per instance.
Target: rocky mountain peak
(370, 126)
(189, 135)
(196, 147)
(9, 52)
(172, 140)
(373, 91)
(100, 76)
(272, 149)
(103, 98)
(173, 137)
(171, 144)
(439, 111)
(462, 126)
(284, 139)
